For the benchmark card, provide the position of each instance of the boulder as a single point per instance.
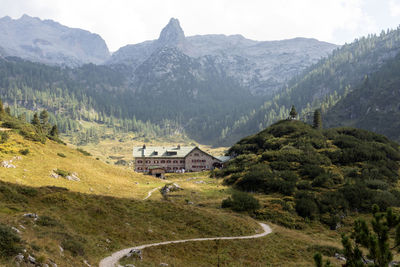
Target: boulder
(7, 164)
(19, 258)
(16, 230)
(135, 253)
(73, 177)
(31, 259)
(31, 215)
(170, 188)
(54, 175)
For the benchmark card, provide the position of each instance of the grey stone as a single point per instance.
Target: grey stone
(170, 188)
(31, 259)
(31, 215)
(16, 230)
(256, 65)
(19, 258)
(7, 164)
(49, 42)
(73, 177)
(135, 253)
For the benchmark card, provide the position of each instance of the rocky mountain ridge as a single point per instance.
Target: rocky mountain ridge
(49, 42)
(262, 67)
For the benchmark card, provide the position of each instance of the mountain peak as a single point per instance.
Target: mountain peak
(172, 34)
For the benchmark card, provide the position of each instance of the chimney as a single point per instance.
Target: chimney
(179, 146)
(143, 150)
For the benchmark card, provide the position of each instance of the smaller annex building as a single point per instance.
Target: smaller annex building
(175, 159)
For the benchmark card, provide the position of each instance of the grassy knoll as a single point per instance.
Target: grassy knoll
(96, 177)
(91, 226)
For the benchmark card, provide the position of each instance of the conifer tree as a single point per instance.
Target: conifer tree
(35, 120)
(317, 123)
(44, 117)
(293, 113)
(8, 110)
(1, 106)
(54, 131)
(385, 231)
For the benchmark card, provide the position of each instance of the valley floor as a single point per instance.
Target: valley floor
(105, 212)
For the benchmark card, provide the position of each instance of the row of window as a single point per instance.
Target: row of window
(162, 161)
(198, 160)
(198, 167)
(168, 168)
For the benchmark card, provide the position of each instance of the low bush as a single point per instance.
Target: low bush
(84, 152)
(241, 201)
(62, 173)
(46, 221)
(24, 152)
(10, 242)
(61, 155)
(4, 137)
(306, 206)
(74, 246)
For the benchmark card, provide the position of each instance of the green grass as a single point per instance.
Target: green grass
(96, 177)
(281, 248)
(91, 227)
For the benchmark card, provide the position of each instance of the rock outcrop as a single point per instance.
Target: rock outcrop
(49, 42)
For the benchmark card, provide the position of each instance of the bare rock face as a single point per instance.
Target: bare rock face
(261, 67)
(49, 42)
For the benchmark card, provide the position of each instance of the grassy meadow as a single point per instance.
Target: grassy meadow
(105, 212)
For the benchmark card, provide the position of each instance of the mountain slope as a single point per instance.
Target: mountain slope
(324, 83)
(49, 42)
(262, 67)
(91, 217)
(374, 105)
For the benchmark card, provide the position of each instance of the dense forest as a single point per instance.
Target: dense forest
(107, 95)
(91, 93)
(374, 105)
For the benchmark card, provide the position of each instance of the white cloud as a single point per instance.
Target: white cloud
(394, 8)
(122, 22)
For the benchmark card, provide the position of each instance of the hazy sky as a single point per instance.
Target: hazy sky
(122, 22)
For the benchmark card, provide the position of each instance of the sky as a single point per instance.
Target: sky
(122, 22)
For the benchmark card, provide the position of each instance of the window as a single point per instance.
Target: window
(156, 161)
(168, 161)
(175, 168)
(182, 161)
(196, 154)
(139, 161)
(163, 161)
(203, 160)
(175, 161)
(139, 168)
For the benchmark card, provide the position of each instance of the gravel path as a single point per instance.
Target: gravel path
(112, 260)
(151, 192)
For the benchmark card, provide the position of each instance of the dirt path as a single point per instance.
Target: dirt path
(113, 260)
(151, 192)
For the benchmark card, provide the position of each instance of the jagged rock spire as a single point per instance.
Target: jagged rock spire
(172, 34)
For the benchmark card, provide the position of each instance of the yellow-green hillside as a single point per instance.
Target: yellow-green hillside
(96, 177)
